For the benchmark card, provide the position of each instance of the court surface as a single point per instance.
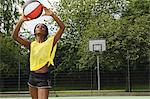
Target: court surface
(87, 97)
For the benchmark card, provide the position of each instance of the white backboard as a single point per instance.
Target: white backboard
(97, 45)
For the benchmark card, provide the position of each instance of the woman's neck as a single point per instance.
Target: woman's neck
(39, 39)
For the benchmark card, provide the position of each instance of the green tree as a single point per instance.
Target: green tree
(122, 35)
(89, 19)
(11, 54)
(137, 17)
(8, 13)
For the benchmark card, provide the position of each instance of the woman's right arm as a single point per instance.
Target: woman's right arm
(15, 33)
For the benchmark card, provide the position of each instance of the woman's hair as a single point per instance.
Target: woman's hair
(46, 28)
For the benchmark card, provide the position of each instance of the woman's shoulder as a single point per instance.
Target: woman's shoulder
(51, 37)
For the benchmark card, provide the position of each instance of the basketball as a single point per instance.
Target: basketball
(32, 9)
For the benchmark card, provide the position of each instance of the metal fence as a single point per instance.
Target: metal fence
(84, 80)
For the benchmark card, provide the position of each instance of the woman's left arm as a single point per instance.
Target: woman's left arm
(60, 30)
(59, 22)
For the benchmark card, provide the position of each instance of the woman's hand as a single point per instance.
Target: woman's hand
(48, 12)
(23, 18)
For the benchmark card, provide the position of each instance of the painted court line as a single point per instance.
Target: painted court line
(88, 97)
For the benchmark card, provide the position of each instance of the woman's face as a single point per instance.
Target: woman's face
(40, 29)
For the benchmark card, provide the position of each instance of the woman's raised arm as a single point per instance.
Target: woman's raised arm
(59, 22)
(15, 33)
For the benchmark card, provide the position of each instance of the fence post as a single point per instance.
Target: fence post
(128, 80)
(19, 68)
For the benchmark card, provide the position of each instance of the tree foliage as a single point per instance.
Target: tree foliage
(9, 14)
(124, 24)
(11, 54)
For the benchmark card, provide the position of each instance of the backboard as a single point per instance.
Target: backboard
(97, 45)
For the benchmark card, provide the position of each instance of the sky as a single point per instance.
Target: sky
(29, 25)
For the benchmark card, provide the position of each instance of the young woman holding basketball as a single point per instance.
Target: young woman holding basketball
(42, 52)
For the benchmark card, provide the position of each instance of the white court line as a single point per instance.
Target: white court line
(88, 97)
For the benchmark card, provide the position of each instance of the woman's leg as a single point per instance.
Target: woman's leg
(33, 92)
(43, 93)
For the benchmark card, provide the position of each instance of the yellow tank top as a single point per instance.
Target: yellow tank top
(42, 53)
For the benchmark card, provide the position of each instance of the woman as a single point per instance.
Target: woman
(41, 54)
